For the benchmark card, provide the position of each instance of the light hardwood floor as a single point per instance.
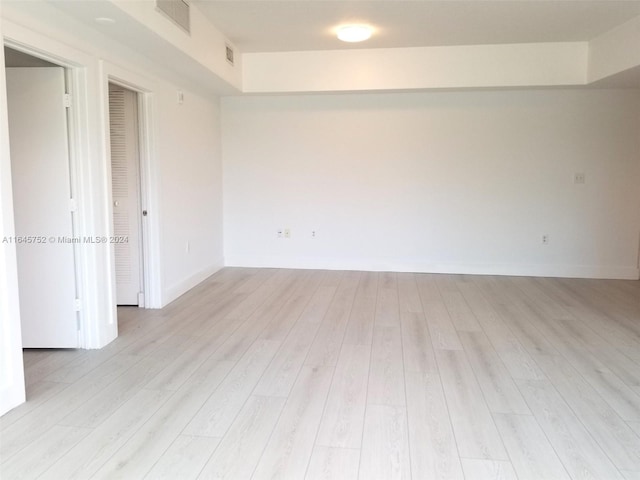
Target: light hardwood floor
(293, 374)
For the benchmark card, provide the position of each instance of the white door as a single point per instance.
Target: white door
(41, 195)
(125, 169)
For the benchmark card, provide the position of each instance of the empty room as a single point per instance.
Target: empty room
(312, 239)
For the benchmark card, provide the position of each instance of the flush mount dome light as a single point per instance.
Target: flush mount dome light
(354, 33)
(104, 20)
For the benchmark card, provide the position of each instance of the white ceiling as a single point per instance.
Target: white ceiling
(297, 25)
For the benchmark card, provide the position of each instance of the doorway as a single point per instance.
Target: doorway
(124, 130)
(37, 101)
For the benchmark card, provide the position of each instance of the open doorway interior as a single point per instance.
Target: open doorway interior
(37, 102)
(126, 195)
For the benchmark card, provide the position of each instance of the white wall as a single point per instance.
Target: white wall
(615, 51)
(204, 43)
(439, 182)
(12, 391)
(466, 66)
(188, 148)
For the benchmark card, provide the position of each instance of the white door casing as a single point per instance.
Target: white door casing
(42, 207)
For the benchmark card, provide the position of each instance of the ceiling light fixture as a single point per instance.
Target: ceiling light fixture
(354, 33)
(104, 20)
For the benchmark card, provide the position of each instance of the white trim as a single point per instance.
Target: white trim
(149, 179)
(400, 265)
(12, 388)
(150, 200)
(180, 288)
(74, 81)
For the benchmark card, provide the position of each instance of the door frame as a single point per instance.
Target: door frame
(74, 86)
(138, 234)
(149, 200)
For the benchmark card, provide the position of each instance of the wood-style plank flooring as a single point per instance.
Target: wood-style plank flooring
(294, 374)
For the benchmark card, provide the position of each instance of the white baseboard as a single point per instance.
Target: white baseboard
(182, 287)
(396, 265)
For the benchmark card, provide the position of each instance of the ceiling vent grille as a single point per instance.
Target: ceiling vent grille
(176, 10)
(229, 54)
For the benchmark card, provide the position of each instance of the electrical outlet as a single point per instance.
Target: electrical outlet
(313, 234)
(578, 178)
(545, 239)
(287, 233)
(280, 233)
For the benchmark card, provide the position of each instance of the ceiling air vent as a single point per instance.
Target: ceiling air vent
(229, 53)
(176, 10)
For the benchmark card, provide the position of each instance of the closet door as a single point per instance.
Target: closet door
(125, 170)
